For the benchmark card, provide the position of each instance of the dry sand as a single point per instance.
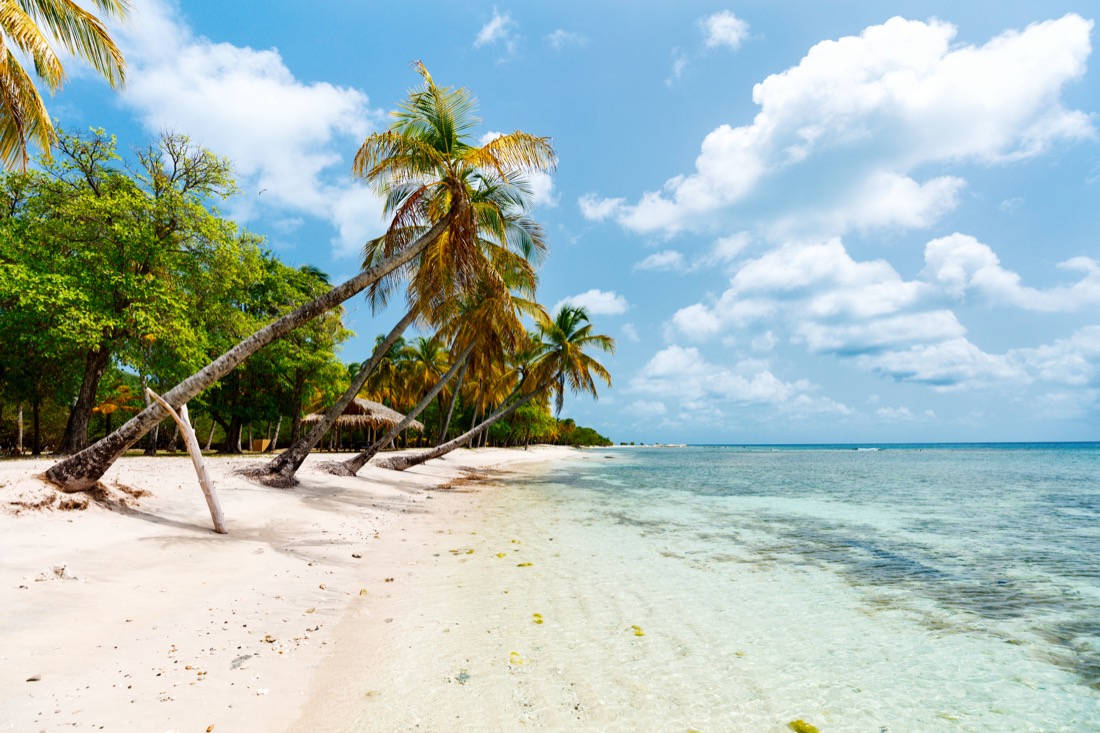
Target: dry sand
(133, 615)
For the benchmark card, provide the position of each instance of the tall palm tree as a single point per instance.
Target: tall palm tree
(509, 240)
(28, 27)
(422, 166)
(558, 359)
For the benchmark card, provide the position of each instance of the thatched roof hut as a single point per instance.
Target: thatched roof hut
(366, 414)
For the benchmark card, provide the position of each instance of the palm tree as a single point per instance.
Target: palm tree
(566, 337)
(422, 166)
(27, 27)
(557, 359)
(486, 319)
(507, 239)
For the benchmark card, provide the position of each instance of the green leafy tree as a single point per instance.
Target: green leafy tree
(129, 244)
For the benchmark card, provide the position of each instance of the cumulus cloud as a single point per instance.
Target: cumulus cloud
(867, 112)
(285, 137)
(596, 209)
(724, 29)
(960, 264)
(499, 29)
(597, 302)
(682, 374)
(820, 297)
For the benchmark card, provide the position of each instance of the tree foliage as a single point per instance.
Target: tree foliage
(109, 268)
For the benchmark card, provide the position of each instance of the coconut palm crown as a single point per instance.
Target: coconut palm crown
(564, 361)
(27, 27)
(427, 169)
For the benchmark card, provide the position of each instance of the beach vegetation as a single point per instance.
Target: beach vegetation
(109, 266)
(425, 171)
(548, 361)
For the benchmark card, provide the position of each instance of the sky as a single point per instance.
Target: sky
(802, 222)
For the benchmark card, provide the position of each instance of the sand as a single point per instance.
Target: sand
(132, 614)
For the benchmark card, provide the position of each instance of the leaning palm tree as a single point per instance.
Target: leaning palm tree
(421, 166)
(557, 359)
(28, 27)
(508, 241)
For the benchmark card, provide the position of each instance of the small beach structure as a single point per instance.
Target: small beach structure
(366, 414)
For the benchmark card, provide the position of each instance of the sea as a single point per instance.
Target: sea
(880, 587)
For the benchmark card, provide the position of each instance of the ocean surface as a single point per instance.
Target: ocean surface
(881, 588)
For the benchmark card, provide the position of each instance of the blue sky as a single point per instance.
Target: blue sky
(801, 221)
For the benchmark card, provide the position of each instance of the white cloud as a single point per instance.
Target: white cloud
(559, 39)
(879, 334)
(728, 249)
(284, 136)
(944, 365)
(594, 208)
(872, 109)
(724, 29)
(960, 263)
(597, 302)
(864, 311)
(668, 259)
(697, 322)
(631, 333)
(499, 29)
(682, 374)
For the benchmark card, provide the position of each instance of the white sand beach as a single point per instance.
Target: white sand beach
(132, 614)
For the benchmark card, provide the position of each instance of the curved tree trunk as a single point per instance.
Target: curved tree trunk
(82, 470)
(400, 463)
(352, 465)
(282, 468)
(76, 429)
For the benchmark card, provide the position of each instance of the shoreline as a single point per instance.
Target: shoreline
(143, 618)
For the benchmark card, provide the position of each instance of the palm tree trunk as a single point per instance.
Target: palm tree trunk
(290, 460)
(451, 406)
(400, 463)
(19, 434)
(210, 438)
(354, 464)
(82, 470)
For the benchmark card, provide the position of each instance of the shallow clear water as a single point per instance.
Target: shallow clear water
(885, 588)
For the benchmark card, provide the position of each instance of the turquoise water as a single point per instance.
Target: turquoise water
(976, 568)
